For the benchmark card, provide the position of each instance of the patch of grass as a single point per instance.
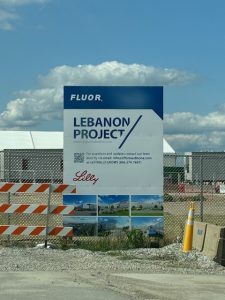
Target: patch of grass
(130, 240)
(135, 238)
(101, 244)
(116, 213)
(140, 214)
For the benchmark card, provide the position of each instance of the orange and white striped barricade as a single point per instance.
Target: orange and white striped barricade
(36, 209)
(41, 209)
(8, 208)
(11, 187)
(36, 230)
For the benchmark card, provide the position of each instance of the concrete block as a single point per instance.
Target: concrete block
(213, 237)
(199, 232)
(210, 239)
(220, 257)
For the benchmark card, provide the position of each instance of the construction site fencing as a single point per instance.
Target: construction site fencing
(198, 177)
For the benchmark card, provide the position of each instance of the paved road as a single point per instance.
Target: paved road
(177, 286)
(51, 286)
(86, 286)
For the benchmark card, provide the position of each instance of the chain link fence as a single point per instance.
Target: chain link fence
(31, 166)
(198, 177)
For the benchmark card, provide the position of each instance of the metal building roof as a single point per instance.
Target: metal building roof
(42, 140)
(31, 140)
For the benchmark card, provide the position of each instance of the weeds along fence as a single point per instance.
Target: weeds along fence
(195, 176)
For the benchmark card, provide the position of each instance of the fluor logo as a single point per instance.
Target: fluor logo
(86, 97)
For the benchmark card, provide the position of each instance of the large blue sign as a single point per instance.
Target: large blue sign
(93, 97)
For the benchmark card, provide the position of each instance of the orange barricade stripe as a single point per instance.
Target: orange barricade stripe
(21, 208)
(4, 207)
(37, 230)
(58, 209)
(56, 230)
(6, 187)
(42, 188)
(60, 188)
(24, 187)
(19, 230)
(70, 233)
(40, 209)
(3, 228)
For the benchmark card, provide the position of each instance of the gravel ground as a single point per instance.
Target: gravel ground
(164, 260)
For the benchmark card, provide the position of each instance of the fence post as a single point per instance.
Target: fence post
(201, 190)
(48, 214)
(8, 215)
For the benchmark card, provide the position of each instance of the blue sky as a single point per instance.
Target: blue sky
(79, 220)
(139, 222)
(120, 221)
(112, 199)
(146, 198)
(179, 44)
(79, 199)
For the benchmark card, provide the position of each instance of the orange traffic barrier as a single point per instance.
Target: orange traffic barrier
(36, 230)
(47, 209)
(36, 209)
(6, 187)
(188, 235)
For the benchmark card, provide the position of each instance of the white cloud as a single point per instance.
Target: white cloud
(20, 2)
(115, 73)
(7, 11)
(33, 106)
(191, 132)
(187, 122)
(185, 131)
(5, 19)
(213, 141)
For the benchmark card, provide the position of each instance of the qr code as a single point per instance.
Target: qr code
(78, 157)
